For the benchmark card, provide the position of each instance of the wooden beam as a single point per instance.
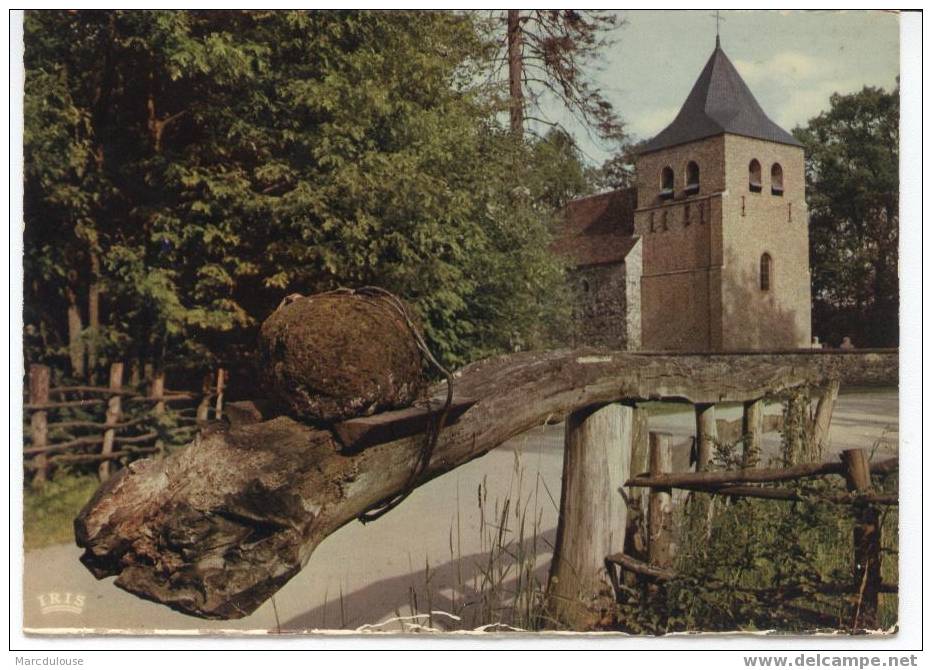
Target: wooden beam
(660, 546)
(245, 506)
(365, 431)
(593, 515)
(867, 541)
(39, 380)
(823, 418)
(753, 429)
(114, 411)
(641, 568)
(760, 475)
(706, 435)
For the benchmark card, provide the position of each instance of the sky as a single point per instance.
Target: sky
(791, 60)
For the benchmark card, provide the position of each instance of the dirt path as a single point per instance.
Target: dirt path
(429, 554)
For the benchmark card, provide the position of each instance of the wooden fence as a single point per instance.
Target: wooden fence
(854, 466)
(326, 478)
(124, 422)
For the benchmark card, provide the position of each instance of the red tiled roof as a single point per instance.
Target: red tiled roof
(598, 229)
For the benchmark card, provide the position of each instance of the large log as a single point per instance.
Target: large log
(593, 513)
(215, 529)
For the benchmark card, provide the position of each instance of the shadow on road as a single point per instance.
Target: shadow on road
(455, 587)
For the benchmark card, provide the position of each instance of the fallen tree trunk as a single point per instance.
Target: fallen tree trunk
(215, 529)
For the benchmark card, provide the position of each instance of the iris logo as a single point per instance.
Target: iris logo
(53, 601)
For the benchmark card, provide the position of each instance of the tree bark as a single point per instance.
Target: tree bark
(515, 73)
(93, 315)
(215, 529)
(75, 343)
(593, 514)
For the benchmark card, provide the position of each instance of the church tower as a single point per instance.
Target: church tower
(721, 214)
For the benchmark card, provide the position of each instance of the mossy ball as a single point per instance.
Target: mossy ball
(333, 356)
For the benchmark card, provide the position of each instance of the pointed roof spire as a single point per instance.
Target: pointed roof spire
(719, 102)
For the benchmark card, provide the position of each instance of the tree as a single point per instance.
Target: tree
(214, 161)
(852, 179)
(549, 55)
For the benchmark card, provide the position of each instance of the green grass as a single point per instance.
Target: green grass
(49, 512)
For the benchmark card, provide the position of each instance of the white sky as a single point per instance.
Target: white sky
(791, 60)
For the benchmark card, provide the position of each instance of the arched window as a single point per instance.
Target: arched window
(692, 178)
(766, 272)
(666, 183)
(754, 176)
(585, 285)
(776, 179)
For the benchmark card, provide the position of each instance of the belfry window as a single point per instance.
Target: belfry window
(776, 179)
(666, 183)
(754, 181)
(692, 178)
(766, 272)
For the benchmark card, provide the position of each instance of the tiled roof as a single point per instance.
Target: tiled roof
(598, 229)
(720, 102)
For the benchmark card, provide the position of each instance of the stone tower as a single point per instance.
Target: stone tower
(721, 214)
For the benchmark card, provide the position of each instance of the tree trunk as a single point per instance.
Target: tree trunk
(593, 514)
(215, 529)
(515, 73)
(75, 343)
(93, 316)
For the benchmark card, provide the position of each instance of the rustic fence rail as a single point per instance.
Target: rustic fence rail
(854, 466)
(119, 409)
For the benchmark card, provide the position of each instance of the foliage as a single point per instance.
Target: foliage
(852, 175)
(752, 565)
(192, 167)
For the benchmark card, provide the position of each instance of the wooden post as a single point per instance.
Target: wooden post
(636, 535)
(157, 393)
(203, 407)
(661, 547)
(39, 381)
(640, 452)
(596, 462)
(114, 410)
(752, 428)
(221, 382)
(823, 418)
(706, 435)
(867, 541)
(134, 373)
(796, 429)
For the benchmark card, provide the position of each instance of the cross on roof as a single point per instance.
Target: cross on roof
(718, 21)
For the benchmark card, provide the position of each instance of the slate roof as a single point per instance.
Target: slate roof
(720, 102)
(599, 229)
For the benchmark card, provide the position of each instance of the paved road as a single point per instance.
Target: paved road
(379, 572)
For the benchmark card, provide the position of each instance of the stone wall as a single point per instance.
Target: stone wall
(600, 306)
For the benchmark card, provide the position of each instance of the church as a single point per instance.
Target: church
(710, 250)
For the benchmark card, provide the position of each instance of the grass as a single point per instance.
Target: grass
(49, 511)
